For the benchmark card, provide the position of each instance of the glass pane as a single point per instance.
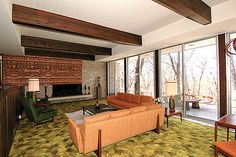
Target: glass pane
(171, 70)
(147, 74)
(119, 75)
(233, 77)
(201, 79)
(133, 75)
(111, 78)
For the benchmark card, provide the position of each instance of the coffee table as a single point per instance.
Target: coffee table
(92, 109)
(170, 114)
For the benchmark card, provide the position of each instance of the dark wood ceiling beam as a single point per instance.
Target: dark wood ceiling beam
(49, 53)
(195, 10)
(42, 43)
(42, 19)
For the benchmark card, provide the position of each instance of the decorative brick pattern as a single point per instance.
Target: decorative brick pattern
(50, 70)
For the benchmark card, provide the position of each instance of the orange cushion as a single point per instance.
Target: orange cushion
(153, 106)
(128, 97)
(138, 109)
(97, 117)
(229, 147)
(119, 113)
(121, 96)
(144, 98)
(128, 104)
(136, 98)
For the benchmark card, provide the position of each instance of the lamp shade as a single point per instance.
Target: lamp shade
(33, 85)
(171, 88)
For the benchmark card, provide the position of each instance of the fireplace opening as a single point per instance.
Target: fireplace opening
(67, 90)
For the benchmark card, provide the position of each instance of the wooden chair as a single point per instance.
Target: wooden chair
(226, 148)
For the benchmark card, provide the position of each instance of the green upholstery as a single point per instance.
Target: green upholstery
(37, 114)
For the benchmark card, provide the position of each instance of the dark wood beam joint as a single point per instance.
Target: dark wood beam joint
(48, 53)
(49, 44)
(195, 10)
(47, 20)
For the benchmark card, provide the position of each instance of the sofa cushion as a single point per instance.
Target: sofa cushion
(97, 117)
(121, 96)
(129, 104)
(119, 113)
(128, 97)
(153, 106)
(144, 98)
(136, 98)
(138, 109)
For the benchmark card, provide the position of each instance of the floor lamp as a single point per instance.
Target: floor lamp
(171, 90)
(33, 86)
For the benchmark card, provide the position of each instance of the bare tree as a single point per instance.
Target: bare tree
(202, 67)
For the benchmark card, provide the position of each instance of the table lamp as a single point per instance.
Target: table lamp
(171, 90)
(33, 86)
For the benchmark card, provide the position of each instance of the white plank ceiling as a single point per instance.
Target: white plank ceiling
(134, 16)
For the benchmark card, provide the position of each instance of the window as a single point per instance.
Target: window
(133, 75)
(119, 76)
(147, 74)
(171, 70)
(232, 73)
(111, 78)
(201, 78)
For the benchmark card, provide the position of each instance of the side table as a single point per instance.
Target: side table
(170, 114)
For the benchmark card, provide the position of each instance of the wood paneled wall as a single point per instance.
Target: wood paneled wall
(49, 70)
(10, 108)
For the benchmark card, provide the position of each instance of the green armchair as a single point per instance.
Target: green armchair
(37, 114)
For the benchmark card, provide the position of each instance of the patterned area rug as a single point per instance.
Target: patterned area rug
(52, 139)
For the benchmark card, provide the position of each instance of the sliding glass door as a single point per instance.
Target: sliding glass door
(201, 79)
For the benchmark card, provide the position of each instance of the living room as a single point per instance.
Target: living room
(127, 78)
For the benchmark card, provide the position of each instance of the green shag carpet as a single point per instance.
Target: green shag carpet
(52, 139)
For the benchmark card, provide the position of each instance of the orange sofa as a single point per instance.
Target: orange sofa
(126, 100)
(106, 128)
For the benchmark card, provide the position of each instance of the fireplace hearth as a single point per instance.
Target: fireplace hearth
(66, 90)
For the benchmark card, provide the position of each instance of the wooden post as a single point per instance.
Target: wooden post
(157, 130)
(222, 75)
(99, 150)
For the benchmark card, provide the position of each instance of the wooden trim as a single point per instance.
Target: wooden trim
(50, 53)
(195, 10)
(47, 20)
(49, 44)
(222, 75)
(125, 74)
(99, 150)
(156, 73)
(157, 129)
(158, 124)
(10, 109)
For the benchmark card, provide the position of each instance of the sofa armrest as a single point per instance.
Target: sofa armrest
(161, 112)
(75, 135)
